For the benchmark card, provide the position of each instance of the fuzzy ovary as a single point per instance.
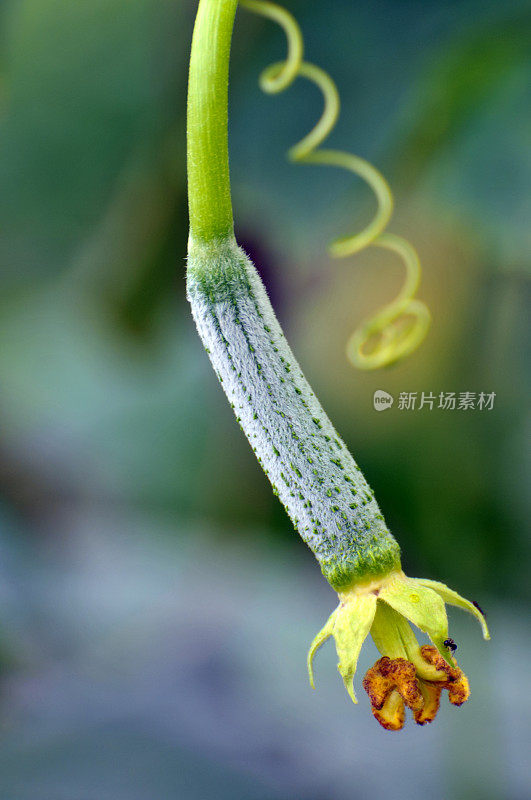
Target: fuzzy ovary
(322, 488)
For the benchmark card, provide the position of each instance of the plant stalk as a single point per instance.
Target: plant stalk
(210, 205)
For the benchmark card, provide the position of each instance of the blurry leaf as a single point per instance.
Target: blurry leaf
(463, 77)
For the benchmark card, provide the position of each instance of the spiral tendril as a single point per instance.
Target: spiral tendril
(398, 328)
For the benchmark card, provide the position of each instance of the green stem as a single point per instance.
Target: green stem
(210, 204)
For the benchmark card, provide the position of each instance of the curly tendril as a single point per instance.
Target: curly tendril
(398, 328)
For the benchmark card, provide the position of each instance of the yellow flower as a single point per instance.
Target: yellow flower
(407, 674)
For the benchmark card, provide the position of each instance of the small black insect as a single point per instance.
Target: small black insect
(450, 644)
(477, 605)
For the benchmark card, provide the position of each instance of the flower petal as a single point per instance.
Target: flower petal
(454, 599)
(353, 621)
(319, 640)
(393, 637)
(386, 634)
(421, 606)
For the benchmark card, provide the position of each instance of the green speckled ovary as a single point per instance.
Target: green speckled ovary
(309, 466)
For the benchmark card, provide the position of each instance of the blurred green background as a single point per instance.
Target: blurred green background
(156, 604)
